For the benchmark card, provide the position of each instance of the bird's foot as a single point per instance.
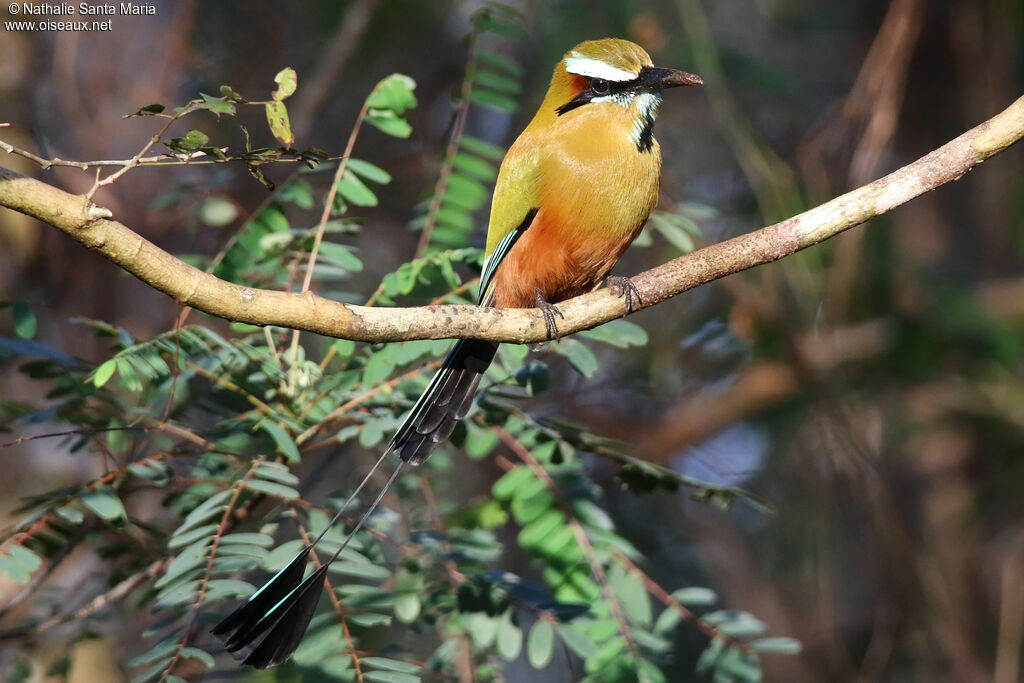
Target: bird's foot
(624, 287)
(550, 311)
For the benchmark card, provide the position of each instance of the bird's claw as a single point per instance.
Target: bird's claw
(624, 287)
(549, 310)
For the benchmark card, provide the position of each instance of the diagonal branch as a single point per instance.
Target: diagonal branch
(78, 217)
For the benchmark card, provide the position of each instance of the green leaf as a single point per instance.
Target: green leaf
(287, 82)
(179, 540)
(494, 100)
(482, 148)
(735, 624)
(371, 434)
(227, 92)
(620, 333)
(777, 646)
(280, 126)
(217, 212)
(539, 646)
(274, 219)
(247, 538)
(193, 140)
(283, 440)
(148, 110)
(710, 655)
(394, 94)
(479, 441)
(158, 651)
(355, 191)
(228, 588)
(390, 664)
(389, 123)
(407, 607)
(208, 508)
(341, 256)
(496, 81)
(369, 171)
(695, 596)
(104, 372)
(319, 643)
(634, 598)
(71, 514)
(272, 488)
(669, 226)
(363, 570)
(581, 358)
(576, 640)
(509, 637)
(14, 570)
(276, 472)
(390, 677)
(735, 665)
(667, 620)
(475, 167)
(648, 672)
(465, 192)
(490, 22)
(19, 563)
(299, 191)
(535, 532)
(104, 502)
(24, 320)
(280, 556)
(530, 508)
(344, 348)
(606, 652)
(369, 620)
(218, 105)
(499, 61)
(378, 367)
(510, 481)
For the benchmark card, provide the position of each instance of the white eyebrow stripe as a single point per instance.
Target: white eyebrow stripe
(595, 68)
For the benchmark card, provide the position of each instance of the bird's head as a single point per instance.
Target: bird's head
(612, 73)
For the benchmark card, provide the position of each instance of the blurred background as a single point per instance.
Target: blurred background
(869, 388)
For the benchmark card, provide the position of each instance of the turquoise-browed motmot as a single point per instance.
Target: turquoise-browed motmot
(573, 192)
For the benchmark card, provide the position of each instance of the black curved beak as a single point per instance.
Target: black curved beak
(656, 78)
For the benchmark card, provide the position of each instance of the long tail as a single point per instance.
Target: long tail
(445, 401)
(267, 628)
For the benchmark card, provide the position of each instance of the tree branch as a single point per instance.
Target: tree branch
(89, 224)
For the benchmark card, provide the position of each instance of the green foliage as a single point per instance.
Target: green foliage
(470, 165)
(218, 427)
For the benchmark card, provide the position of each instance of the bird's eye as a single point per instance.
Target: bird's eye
(600, 86)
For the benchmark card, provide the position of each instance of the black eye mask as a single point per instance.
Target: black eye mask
(599, 87)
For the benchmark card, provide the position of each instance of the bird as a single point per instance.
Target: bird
(573, 191)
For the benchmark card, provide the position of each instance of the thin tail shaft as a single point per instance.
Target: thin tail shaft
(267, 629)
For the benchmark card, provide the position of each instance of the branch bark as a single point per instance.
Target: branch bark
(79, 218)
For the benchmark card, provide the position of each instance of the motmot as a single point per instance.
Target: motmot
(573, 191)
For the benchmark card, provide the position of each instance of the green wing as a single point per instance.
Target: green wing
(513, 208)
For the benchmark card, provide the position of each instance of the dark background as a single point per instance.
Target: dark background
(870, 388)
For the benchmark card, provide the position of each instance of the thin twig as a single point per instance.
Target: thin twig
(321, 227)
(134, 161)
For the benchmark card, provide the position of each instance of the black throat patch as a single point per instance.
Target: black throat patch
(645, 142)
